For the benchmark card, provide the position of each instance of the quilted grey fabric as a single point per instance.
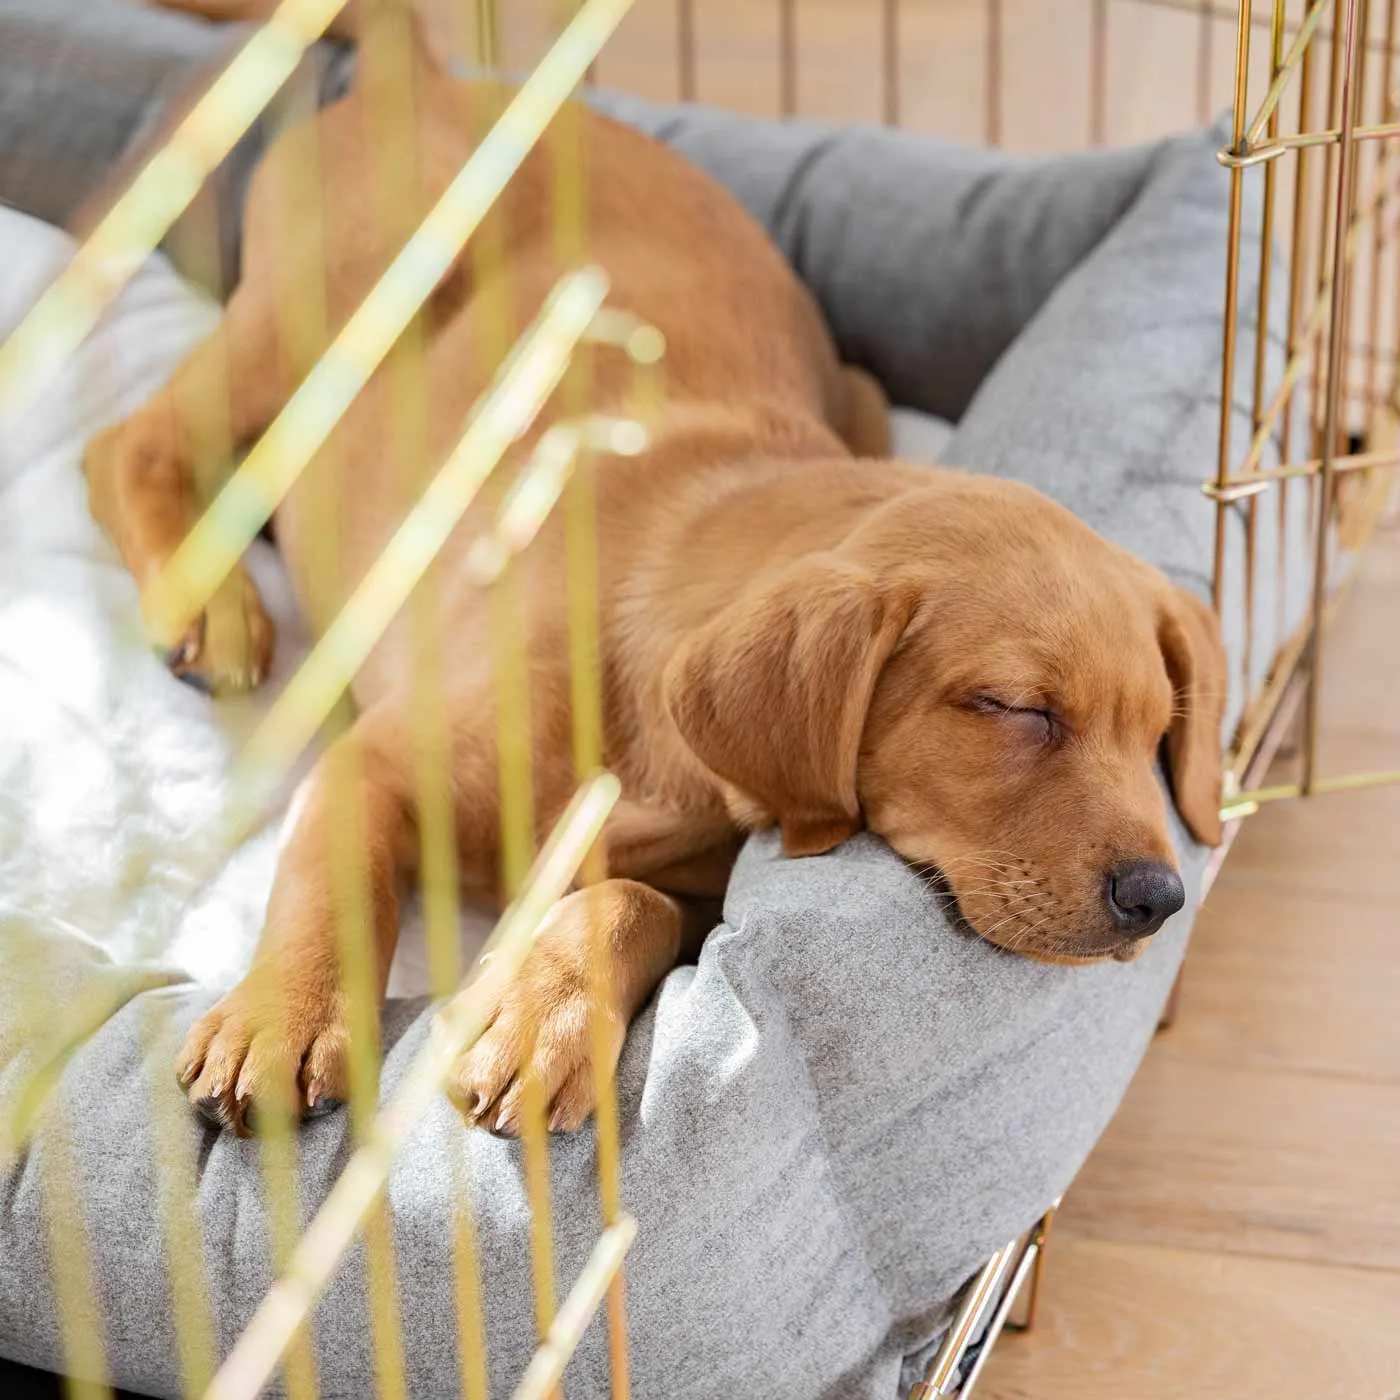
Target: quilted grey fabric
(833, 1118)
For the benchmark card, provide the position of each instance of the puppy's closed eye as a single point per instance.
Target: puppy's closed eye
(1039, 724)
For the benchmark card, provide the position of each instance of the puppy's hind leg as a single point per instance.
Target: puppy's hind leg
(150, 475)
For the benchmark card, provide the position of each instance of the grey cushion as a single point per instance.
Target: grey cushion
(855, 210)
(85, 86)
(835, 1116)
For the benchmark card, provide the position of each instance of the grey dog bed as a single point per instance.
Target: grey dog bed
(834, 1117)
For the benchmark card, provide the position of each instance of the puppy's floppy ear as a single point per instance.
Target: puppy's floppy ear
(1189, 635)
(772, 693)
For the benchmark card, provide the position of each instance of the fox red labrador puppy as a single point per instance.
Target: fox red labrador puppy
(791, 636)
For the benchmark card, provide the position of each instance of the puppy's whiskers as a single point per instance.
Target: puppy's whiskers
(1021, 938)
(1009, 914)
(971, 891)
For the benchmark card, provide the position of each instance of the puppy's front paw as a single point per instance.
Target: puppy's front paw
(545, 1026)
(249, 1050)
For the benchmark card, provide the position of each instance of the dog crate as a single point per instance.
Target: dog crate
(1311, 89)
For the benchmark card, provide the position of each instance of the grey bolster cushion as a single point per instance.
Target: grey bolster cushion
(853, 209)
(834, 1117)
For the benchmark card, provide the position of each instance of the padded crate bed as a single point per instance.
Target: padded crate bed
(832, 1120)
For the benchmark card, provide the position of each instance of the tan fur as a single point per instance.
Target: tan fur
(865, 421)
(790, 635)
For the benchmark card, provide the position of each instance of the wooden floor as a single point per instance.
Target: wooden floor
(1236, 1234)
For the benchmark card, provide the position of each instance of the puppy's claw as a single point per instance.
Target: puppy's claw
(195, 681)
(188, 647)
(228, 647)
(554, 1050)
(318, 1102)
(508, 1114)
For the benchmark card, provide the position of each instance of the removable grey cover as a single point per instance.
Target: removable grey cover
(831, 1120)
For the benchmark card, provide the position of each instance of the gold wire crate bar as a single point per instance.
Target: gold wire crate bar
(1249, 802)
(1239, 487)
(1284, 71)
(984, 1312)
(1307, 338)
(525, 381)
(546, 1369)
(1258, 154)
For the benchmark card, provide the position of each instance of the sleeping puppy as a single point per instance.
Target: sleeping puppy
(790, 635)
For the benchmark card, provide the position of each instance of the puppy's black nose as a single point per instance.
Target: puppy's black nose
(1143, 895)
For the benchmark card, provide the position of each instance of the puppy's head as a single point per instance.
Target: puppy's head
(987, 684)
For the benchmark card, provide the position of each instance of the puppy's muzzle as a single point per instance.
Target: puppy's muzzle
(1142, 895)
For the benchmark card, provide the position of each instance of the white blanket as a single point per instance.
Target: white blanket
(113, 775)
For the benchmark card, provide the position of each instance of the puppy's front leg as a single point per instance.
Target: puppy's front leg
(283, 1034)
(545, 1024)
